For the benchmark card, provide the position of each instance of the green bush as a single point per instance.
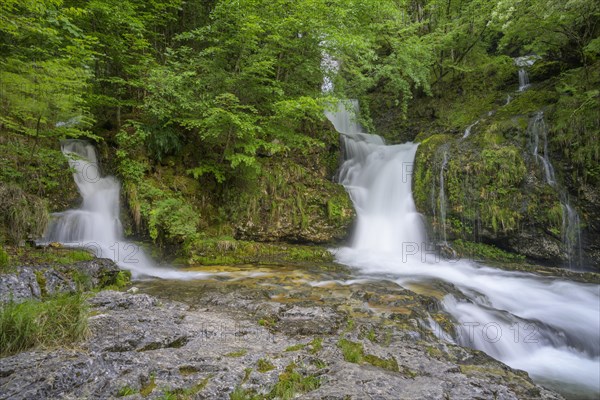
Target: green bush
(59, 321)
(172, 220)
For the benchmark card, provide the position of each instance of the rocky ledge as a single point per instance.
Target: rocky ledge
(38, 281)
(232, 341)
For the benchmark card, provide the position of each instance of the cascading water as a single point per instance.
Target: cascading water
(96, 225)
(442, 197)
(548, 327)
(523, 63)
(571, 232)
(537, 127)
(468, 130)
(523, 80)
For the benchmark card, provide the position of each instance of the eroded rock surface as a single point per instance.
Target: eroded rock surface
(143, 346)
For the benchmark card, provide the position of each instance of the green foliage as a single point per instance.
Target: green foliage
(173, 220)
(59, 321)
(43, 86)
(4, 259)
(292, 382)
(471, 251)
(22, 215)
(126, 391)
(576, 124)
(353, 352)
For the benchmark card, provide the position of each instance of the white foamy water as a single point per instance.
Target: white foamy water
(95, 225)
(548, 327)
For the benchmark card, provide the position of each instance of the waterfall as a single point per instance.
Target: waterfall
(95, 225)
(537, 127)
(523, 63)
(571, 232)
(442, 197)
(523, 79)
(468, 130)
(546, 326)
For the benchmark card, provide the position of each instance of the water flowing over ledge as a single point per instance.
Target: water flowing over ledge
(548, 327)
(95, 225)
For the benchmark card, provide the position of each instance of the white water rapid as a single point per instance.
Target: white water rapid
(95, 225)
(548, 327)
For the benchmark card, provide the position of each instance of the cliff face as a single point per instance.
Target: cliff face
(524, 176)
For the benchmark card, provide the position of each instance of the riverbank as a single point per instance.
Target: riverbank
(264, 331)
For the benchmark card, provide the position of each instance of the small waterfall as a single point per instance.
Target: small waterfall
(467, 132)
(379, 180)
(571, 226)
(548, 327)
(523, 80)
(523, 63)
(96, 225)
(442, 197)
(508, 100)
(571, 235)
(344, 120)
(537, 127)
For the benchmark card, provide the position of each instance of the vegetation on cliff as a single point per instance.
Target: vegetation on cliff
(211, 112)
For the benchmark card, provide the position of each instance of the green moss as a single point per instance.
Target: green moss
(315, 345)
(237, 353)
(187, 370)
(473, 251)
(48, 255)
(41, 281)
(149, 387)
(264, 365)
(226, 250)
(239, 393)
(187, 393)
(296, 347)
(354, 352)
(386, 363)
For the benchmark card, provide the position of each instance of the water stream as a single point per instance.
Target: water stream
(546, 326)
(95, 225)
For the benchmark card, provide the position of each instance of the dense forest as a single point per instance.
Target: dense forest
(211, 113)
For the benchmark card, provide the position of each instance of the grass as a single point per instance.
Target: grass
(126, 391)
(292, 382)
(354, 352)
(58, 321)
(24, 256)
